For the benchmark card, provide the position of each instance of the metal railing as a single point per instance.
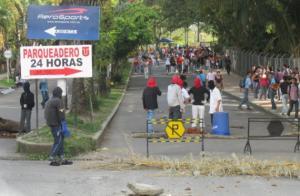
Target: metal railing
(272, 129)
(242, 60)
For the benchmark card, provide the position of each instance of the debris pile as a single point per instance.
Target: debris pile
(207, 166)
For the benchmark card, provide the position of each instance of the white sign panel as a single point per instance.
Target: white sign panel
(68, 61)
(8, 54)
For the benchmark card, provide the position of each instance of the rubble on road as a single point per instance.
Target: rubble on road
(7, 91)
(8, 126)
(145, 189)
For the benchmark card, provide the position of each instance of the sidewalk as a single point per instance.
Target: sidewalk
(231, 86)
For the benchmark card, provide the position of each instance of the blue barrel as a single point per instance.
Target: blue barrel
(221, 123)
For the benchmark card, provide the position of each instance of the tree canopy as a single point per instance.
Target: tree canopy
(262, 25)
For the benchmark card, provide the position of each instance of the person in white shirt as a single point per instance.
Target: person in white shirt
(185, 95)
(175, 98)
(215, 101)
(168, 64)
(210, 76)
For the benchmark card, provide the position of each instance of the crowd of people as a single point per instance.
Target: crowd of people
(205, 66)
(181, 60)
(207, 87)
(281, 84)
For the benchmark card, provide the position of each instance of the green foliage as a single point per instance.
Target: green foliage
(5, 84)
(132, 27)
(269, 25)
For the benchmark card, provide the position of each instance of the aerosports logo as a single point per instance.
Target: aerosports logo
(69, 11)
(65, 14)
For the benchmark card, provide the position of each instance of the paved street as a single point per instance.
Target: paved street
(20, 178)
(118, 138)
(36, 178)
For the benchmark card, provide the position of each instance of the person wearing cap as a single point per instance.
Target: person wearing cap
(149, 98)
(175, 98)
(54, 115)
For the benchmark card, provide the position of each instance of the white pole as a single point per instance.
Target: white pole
(7, 69)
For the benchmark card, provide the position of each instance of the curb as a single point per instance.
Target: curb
(99, 135)
(30, 147)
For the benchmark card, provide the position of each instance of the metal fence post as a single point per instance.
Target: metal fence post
(147, 141)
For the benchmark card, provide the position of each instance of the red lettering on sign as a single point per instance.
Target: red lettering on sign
(71, 52)
(85, 51)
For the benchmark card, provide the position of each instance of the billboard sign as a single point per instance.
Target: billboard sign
(63, 22)
(68, 61)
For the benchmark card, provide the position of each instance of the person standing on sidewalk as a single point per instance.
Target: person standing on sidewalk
(215, 100)
(44, 91)
(27, 103)
(227, 63)
(198, 92)
(247, 86)
(54, 115)
(284, 95)
(273, 90)
(175, 98)
(263, 84)
(293, 93)
(255, 83)
(150, 101)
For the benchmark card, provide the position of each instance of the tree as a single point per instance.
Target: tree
(132, 27)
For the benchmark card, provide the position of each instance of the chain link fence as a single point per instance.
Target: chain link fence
(242, 60)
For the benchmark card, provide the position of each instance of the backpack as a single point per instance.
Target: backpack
(242, 83)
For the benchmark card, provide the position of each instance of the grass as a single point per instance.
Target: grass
(6, 84)
(86, 126)
(81, 137)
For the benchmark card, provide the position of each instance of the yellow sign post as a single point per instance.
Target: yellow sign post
(175, 129)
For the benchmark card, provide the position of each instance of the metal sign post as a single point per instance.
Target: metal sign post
(7, 55)
(37, 105)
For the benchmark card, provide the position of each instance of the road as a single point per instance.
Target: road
(36, 178)
(130, 119)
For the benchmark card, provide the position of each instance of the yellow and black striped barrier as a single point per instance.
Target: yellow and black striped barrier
(175, 131)
(163, 121)
(191, 139)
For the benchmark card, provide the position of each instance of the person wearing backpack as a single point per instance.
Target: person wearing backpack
(247, 86)
(27, 103)
(293, 93)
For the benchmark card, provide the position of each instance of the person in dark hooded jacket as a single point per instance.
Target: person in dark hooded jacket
(27, 103)
(54, 115)
(150, 100)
